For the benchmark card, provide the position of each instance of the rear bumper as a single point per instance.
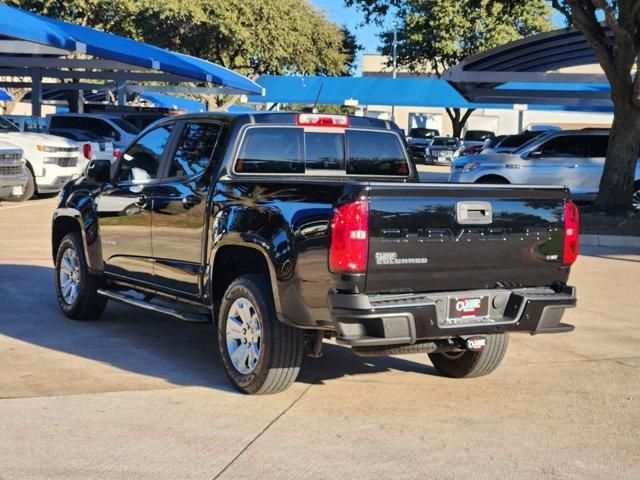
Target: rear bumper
(362, 320)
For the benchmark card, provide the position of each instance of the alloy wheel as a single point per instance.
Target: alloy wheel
(69, 276)
(244, 336)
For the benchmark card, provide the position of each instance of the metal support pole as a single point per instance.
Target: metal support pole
(121, 89)
(395, 63)
(36, 92)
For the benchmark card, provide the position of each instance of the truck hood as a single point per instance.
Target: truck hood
(6, 147)
(492, 159)
(37, 139)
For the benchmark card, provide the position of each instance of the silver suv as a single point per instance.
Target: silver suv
(574, 159)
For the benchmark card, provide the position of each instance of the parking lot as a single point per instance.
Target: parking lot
(137, 395)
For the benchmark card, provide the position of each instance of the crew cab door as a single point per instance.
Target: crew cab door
(180, 207)
(124, 208)
(557, 161)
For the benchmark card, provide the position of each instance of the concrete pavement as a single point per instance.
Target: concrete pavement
(137, 395)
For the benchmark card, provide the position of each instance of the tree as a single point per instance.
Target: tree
(612, 28)
(434, 35)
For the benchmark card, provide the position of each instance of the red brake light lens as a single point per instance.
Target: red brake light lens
(571, 233)
(86, 150)
(117, 153)
(320, 120)
(350, 238)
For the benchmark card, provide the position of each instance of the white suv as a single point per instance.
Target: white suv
(51, 161)
(13, 174)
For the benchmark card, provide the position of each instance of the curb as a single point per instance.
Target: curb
(609, 241)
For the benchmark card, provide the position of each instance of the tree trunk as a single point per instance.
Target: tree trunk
(616, 186)
(458, 122)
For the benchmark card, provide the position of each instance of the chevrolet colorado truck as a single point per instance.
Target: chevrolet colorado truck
(284, 229)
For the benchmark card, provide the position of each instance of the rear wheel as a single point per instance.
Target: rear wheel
(468, 364)
(636, 196)
(260, 354)
(29, 189)
(76, 287)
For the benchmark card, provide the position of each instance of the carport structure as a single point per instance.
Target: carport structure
(34, 48)
(527, 72)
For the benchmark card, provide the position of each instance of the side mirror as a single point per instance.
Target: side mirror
(535, 154)
(99, 171)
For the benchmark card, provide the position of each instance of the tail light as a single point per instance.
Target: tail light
(571, 233)
(320, 120)
(117, 153)
(86, 150)
(349, 238)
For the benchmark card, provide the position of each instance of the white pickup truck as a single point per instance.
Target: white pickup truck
(13, 174)
(51, 161)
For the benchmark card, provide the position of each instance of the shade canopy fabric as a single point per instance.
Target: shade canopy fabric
(418, 91)
(4, 96)
(23, 25)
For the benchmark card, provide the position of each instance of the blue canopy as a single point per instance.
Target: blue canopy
(177, 103)
(4, 96)
(23, 25)
(428, 92)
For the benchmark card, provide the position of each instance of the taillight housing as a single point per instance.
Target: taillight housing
(117, 153)
(86, 151)
(571, 233)
(349, 238)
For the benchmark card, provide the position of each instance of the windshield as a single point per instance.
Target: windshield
(445, 142)
(6, 126)
(517, 141)
(477, 135)
(124, 125)
(423, 133)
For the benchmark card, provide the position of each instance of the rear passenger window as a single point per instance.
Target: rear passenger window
(194, 149)
(271, 150)
(65, 122)
(375, 153)
(598, 144)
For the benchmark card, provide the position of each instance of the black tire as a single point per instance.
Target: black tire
(88, 305)
(636, 196)
(29, 189)
(281, 346)
(468, 364)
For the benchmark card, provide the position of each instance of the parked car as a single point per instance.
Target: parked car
(442, 150)
(27, 123)
(13, 173)
(511, 143)
(108, 126)
(51, 161)
(287, 228)
(419, 140)
(92, 146)
(574, 159)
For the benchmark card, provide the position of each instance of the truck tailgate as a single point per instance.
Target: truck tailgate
(449, 237)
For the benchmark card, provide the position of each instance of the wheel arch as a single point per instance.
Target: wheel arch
(492, 178)
(230, 259)
(67, 220)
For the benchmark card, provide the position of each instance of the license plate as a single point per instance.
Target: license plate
(468, 307)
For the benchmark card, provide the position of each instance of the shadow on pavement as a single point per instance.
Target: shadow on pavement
(147, 343)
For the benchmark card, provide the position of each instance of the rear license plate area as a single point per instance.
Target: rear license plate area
(468, 310)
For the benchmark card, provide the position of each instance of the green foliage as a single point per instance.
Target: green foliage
(253, 37)
(434, 35)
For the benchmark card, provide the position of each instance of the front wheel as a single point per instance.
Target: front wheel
(260, 355)
(468, 364)
(76, 287)
(636, 196)
(29, 189)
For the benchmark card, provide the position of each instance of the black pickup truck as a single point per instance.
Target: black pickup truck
(285, 229)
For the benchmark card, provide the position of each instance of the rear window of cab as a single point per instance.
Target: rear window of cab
(294, 150)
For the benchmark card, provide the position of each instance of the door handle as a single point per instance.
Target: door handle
(191, 201)
(141, 201)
